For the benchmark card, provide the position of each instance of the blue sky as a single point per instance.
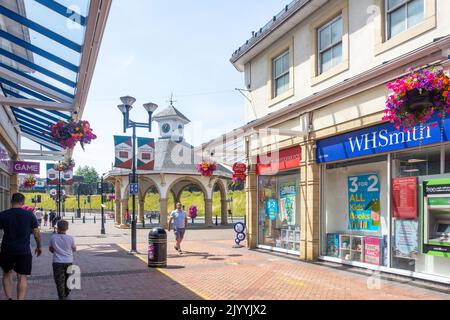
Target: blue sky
(153, 47)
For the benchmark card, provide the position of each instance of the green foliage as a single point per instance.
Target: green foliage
(151, 202)
(89, 174)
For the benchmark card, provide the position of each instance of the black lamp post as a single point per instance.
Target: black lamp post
(102, 205)
(59, 195)
(125, 107)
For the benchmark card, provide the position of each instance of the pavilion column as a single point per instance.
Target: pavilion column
(123, 208)
(163, 213)
(117, 215)
(208, 212)
(141, 210)
(224, 212)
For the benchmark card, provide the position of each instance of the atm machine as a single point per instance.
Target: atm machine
(436, 217)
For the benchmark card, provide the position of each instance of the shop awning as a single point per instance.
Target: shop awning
(48, 51)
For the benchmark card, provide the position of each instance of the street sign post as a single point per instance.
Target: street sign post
(134, 188)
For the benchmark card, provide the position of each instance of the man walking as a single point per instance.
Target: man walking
(15, 254)
(179, 220)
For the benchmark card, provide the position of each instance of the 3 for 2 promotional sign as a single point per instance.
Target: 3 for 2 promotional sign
(364, 202)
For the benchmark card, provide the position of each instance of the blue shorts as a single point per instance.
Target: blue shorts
(179, 233)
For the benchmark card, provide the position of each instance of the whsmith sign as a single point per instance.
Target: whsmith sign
(380, 139)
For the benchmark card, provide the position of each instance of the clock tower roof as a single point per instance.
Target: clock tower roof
(171, 113)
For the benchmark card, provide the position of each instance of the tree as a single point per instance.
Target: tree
(90, 180)
(89, 174)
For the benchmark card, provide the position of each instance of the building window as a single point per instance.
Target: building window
(330, 45)
(281, 74)
(402, 15)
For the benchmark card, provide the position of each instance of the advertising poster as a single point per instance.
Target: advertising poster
(288, 195)
(364, 202)
(406, 242)
(146, 154)
(372, 250)
(123, 152)
(404, 197)
(52, 175)
(272, 209)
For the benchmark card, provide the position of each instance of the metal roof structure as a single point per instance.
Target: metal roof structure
(48, 52)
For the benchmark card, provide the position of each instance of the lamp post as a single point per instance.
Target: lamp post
(59, 195)
(125, 107)
(102, 205)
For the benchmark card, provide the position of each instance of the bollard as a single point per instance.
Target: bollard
(95, 220)
(84, 219)
(217, 223)
(73, 220)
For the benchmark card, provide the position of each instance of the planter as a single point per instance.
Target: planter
(418, 101)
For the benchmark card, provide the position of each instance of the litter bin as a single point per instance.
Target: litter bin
(157, 248)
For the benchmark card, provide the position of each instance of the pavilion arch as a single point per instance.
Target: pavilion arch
(219, 183)
(180, 184)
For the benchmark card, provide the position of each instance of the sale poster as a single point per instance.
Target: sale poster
(372, 250)
(364, 202)
(406, 242)
(288, 195)
(333, 245)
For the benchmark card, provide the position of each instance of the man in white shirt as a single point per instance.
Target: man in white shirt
(178, 219)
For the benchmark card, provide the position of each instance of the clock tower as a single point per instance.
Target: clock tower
(171, 123)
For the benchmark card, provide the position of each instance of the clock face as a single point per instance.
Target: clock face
(166, 128)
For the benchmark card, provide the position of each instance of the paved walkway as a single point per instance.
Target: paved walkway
(209, 269)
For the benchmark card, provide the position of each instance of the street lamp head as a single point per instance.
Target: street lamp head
(123, 108)
(128, 100)
(150, 107)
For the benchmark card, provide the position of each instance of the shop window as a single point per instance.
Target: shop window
(279, 212)
(423, 162)
(355, 211)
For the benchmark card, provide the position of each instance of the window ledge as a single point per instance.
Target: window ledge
(285, 95)
(427, 25)
(343, 66)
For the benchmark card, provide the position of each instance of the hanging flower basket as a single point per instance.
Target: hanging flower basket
(206, 168)
(239, 175)
(415, 98)
(28, 182)
(193, 212)
(65, 166)
(68, 134)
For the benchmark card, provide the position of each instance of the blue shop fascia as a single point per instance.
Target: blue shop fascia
(385, 200)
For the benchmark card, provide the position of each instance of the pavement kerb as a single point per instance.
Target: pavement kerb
(200, 294)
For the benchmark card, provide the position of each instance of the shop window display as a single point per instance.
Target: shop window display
(355, 211)
(279, 212)
(416, 224)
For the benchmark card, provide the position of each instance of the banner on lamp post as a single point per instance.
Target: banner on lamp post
(146, 154)
(67, 178)
(124, 152)
(52, 175)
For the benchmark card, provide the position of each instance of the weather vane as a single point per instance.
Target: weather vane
(171, 101)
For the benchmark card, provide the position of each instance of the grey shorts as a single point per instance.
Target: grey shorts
(179, 233)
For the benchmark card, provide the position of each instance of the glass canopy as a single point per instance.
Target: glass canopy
(41, 49)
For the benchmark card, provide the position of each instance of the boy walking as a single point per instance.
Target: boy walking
(62, 246)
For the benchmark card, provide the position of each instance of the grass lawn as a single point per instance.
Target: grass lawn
(151, 202)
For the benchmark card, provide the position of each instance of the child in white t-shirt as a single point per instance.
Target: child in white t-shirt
(62, 246)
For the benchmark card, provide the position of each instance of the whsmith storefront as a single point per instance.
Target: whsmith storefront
(385, 199)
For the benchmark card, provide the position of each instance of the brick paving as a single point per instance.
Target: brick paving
(209, 269)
